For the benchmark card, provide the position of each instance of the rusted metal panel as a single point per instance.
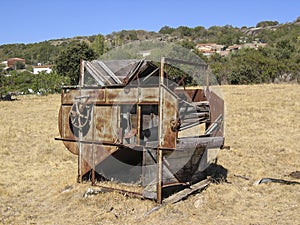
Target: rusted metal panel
(122, 95)
(185, 162)
(169, 116)
(92, 155)
(106, 123)
(66, 131)
(71, 146)
(191, 94)
(96, 96)
(216, 109)
(102, 152)
(86, 158)
(149, 95)
(68, 95)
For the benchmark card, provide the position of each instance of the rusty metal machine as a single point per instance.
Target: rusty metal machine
(132, 122)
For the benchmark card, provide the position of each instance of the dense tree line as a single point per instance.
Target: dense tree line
(279, 62)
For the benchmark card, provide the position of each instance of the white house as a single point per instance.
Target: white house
(39, 69)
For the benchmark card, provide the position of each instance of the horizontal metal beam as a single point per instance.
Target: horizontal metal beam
(169, 60)
(209, 142)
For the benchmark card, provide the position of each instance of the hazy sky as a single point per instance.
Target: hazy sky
(41, 20)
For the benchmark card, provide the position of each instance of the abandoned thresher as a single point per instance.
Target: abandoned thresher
(130, 121)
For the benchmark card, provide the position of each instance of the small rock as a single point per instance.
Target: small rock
(295, 174)
(90, 192)
(67, 188)
(199, 203)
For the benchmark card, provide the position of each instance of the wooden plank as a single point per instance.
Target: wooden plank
(187, 191)
(180, 195)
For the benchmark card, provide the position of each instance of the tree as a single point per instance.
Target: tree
(68, 61)
(19, 66)
(98, 45)
(267, 23)
(285, 49)
(166, 30)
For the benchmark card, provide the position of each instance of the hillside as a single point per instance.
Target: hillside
(277, 61)
(46, 51)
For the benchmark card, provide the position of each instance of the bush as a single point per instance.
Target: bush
(42, 83)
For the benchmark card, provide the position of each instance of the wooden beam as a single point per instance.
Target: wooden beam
(180, 195)
(187, 191)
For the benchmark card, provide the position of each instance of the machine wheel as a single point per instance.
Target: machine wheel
(80, 117)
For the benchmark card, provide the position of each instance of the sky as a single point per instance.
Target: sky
(34, 21)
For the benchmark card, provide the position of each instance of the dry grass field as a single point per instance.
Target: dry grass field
(38, 175)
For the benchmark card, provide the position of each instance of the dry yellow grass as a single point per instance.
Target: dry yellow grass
(262, 128)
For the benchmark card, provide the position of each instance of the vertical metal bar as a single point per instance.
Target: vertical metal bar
(119, 132)
(159, 152)
(162, 63)
(159, 175)
(93, 147)
(207, 77)
(139, 129)
(93, 166)
(161, 81)
(81, 75)
(79, 179)
(143, 167)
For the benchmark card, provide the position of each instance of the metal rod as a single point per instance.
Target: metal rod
(215, 125)
(111, 74)
(160, 135)
(81, 75)
(79, 179)
(122, 191)
(93, 149)
(159, 175)
(207, 78)
(139, 118)
(169, 60)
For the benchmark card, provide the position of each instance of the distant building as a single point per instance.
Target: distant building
(12, 62)
(4, 63)
(209, 48)
(145, 53)
(44, 68)
(233, 48)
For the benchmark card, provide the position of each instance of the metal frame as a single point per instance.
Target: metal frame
(106, 95)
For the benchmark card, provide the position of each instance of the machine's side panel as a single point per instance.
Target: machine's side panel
(169, 115)
(106, 121)
(216, 110)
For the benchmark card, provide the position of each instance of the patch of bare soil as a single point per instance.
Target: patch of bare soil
(38, 175)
